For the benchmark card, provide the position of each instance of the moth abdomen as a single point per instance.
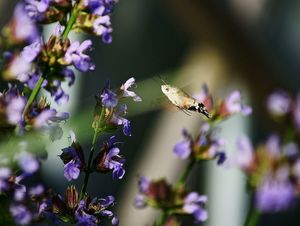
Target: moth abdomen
(199, 107)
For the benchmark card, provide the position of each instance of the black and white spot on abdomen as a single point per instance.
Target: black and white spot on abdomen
(200, 108)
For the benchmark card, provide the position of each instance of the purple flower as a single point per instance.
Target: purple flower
(69, 74)
(30, 52)
(182, 149)
(75, 54)
(20, 193)
(5, 173)
(244, 157)
(278, 103)
(193, 204)
(234, 105)
(37, 8)
(43, 118)
(109, 98)
(143, 184)
(221, 158)
(71, 171)
(274, 196)
(83, 218)
(24, 28)
(102, 24)
(127, 93)
(14, 109)
(140, 201)
(20, 214)
(37, 190)
(28, 163)
(18, 69)
(115, 221)
(118, 120)
(114, 162)
(73, 159)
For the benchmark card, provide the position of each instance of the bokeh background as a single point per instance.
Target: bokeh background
(250, 45)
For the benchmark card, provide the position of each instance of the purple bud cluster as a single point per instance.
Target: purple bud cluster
(205, 146)
(112, 112)
(231, 105)
(38, 116)
(273, 172)
(161, 195)
(25, 199)
(285, 109)
(85, 211)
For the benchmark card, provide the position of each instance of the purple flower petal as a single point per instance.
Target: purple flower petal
(20, 214)
(274, 196)
(28, 163)
(71, 171)
(182, 149)
(143, 184)
(279, 103)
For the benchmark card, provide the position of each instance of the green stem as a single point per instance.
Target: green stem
(161, 219)
(183, 177)
(88, 171)
(33, 94)
(252, 218)
(71, 21)
(65, 34)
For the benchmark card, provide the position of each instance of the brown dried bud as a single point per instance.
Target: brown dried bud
(71, 197)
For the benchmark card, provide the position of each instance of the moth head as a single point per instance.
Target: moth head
(165, 89)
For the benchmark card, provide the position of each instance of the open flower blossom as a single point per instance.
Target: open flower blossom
(194, 204)
(205, 146)
(108, 159)
(115, 112)
(100, 11)
(75, 55)
(73, 159)
(271, 170)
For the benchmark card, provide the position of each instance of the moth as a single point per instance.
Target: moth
(183, 101)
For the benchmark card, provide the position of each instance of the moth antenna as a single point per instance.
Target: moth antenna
(163, 80)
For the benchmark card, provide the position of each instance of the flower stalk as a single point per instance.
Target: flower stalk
(33, 94)
(71, 21)
(183, 177)
(252, 218)
(88, 170)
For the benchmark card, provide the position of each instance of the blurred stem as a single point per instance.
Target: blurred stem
(71, 21)
(34, 94)
(252, 218)
(184, 175)
(162, 218)
(87, 174)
